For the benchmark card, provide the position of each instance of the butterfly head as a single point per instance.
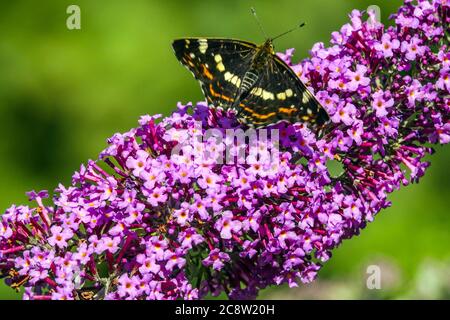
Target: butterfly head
(268, 46)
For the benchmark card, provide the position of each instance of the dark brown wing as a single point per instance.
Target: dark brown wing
(218, 64)
(280, 95)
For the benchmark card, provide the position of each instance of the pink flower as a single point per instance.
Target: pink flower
(5, 231)
(227, 225)
(183, 174)
(413, 48)
(387, 45)
(83, 254)
(174, 259)
(110, 244)
(344, 114)
(191, 238)
(216, 259)
(152, 178)
(60, 236)
(443, 133)
(355, 132)
(379, 104)
(148, 264)
(138, 164)
(338, 84)
(127, 287)
(414, 93)
(357, 78)
(157, 196)
(444, 81)
(200, 208)
(209, 182)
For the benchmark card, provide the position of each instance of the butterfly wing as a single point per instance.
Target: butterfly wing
(280, 95)
(218, 64)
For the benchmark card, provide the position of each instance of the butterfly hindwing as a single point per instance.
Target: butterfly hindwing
(280, 95)
(309, 108)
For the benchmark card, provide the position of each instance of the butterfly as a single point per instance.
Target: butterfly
(250, 79)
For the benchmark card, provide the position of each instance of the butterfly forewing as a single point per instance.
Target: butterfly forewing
(217, 64)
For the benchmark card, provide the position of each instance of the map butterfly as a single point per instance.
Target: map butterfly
(250, 79)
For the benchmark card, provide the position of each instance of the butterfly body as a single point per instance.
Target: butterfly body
(249, 78)
(260, 61)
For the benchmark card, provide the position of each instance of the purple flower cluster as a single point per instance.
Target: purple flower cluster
(145, 222)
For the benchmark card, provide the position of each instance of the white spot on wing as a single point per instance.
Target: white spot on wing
(220, 67)
(257, 91)
(306, 97)
(232, 78)
(266, 95)
(228, 75)
(236, 81)
(281, 96)
(202, 45)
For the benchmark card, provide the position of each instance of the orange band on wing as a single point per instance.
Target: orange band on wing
(216, 94)
(287, 110)
(259, 116)
(206, 72)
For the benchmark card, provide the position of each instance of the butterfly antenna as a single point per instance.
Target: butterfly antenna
(289, 31)
(259, 22)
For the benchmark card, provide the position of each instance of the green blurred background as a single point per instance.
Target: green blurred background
(63, 92)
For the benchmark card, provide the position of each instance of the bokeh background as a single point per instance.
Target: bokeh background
(63, 92)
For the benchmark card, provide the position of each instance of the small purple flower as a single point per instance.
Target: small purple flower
(387, 45)
(338, 84)
(227, 225)
(444, 81)
(443, 133)
(83, 255)
(62, 294)
(33, 195)
(5, 231)
(174, 259)
(287, 56)
(209, 182)
(110, 244)
(157, 196)
(127, 287)
(357, 78)
(216, 259)
(191, 238)
(138, 163)
(414, 93)
(182, 215)
(345, 114)
(356, 132)
(60, 236)
(413, 48)
(380, 104)
(148, 264)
